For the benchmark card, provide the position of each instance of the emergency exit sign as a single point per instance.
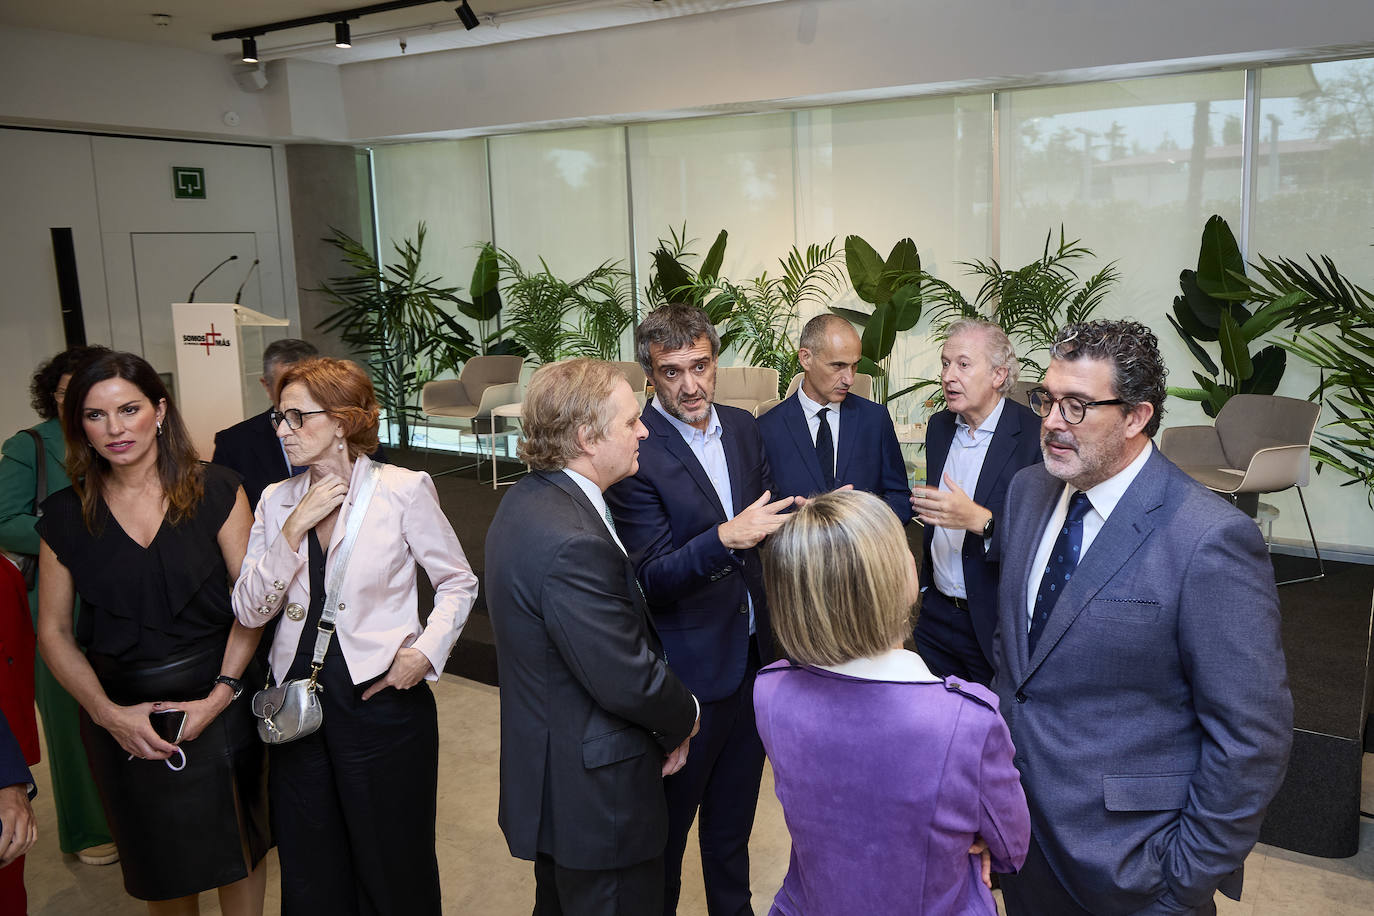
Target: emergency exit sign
(188, 182)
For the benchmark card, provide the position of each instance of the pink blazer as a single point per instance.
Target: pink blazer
(403, 526)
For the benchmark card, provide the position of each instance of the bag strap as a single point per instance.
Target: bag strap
(40, 472)
(331, 592)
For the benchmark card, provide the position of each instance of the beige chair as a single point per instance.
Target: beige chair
(486, 382)
(746, 387)
(634, 374)
(863, 387)
(1259, 444)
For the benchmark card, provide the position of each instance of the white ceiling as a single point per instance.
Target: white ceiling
(431, 27)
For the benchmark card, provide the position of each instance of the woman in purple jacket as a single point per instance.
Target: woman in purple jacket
(891, 780)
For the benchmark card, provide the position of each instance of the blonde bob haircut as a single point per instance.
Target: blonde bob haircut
(563, 399)
(838, 579)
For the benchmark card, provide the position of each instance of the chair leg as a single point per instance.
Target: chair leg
(466, 467)
(1321, 568)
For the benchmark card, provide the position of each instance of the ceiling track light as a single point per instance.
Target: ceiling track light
(466, 16)
(250, 51)
(339, 19)
(341, 35)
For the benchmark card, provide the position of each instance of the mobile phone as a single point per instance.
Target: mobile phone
(168, 724)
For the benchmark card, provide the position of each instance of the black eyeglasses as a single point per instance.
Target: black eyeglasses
(294, 418)
(1072, 409)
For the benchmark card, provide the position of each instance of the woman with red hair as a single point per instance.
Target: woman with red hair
(353, 803)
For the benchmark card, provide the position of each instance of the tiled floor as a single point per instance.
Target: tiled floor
(479, 877)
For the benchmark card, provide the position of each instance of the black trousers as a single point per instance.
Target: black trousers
(632, 891)
(353, 805)
(1035, 891)
(721, 779)
(946, 641)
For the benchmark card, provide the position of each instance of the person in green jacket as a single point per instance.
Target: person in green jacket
(81, 826)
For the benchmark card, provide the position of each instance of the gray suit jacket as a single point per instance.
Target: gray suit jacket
(589, 707)
(1152, 724)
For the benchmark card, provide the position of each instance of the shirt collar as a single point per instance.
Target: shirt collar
(893, 665)
(989, 425)
(809, 407)
(592, 491)
(687, 430)
(1108, 493)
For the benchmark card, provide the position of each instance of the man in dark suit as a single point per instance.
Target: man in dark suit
(1139, 661)
(18, 827)
(856, 445)
(691, 518)
(592, 719)
(251, 447)
(973, 449)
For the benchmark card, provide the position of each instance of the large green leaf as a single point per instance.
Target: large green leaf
(1206, 309)
(857, 317)
(869, 367)
(1194, 347)
(903, 259)
(880, 333)
(485, 292)
(1217, 257)
(1269, 365)
(1270, 316)
(906, 300)
(672, 276)
(710, 266)
(1186, 394)
(1235, 353)
(866, 270)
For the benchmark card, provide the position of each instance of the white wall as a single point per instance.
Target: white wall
(107, 189)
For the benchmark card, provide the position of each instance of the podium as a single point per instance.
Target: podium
(208, 339)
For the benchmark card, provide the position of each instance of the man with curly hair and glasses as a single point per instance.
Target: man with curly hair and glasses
(1139, 663)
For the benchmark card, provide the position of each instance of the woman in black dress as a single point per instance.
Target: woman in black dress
(151, 540)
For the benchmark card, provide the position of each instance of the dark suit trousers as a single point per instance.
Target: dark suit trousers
(354, 804)
(721, 777)
(946, 641)
(632, 891)
(1035, 891)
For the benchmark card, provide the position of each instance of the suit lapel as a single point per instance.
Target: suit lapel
(1126, 529)
(676, 446)
(1027, 528)
(1000, 450)
(794, 419)
(734, 462)
(938, 449)
(595, 522)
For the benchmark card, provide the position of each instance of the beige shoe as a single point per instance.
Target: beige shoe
(104, 854)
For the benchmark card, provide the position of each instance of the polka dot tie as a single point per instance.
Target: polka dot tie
(1059, 570)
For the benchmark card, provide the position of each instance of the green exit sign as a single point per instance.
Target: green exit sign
(188, 182)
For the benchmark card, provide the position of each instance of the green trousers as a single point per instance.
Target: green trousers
(80, 817)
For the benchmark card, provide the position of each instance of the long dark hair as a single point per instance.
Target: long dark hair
(178, 467)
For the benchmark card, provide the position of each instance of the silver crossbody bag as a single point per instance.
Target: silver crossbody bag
(292, 710)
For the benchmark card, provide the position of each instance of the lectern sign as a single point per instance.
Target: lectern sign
(188, 182)
(208, 339)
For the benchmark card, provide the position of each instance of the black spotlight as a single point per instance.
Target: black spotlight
(466, 16)
(341, 39)
(250, 51)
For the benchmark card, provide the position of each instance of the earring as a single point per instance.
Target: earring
(340, 446)
(159, 427)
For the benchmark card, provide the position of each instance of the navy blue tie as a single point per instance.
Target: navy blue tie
(825, 449)
(1059, 570)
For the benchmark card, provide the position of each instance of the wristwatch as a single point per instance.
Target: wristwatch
(987, 529)
(233, 684)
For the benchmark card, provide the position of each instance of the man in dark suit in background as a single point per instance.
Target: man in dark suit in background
(592, 719)
(824, 436)
(691, 518)
(1139, 664)
(251, 447)
(973, 449)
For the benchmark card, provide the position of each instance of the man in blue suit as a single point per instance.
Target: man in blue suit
(1139, 663)
(856, 446)
(973, 449)
(691, 518)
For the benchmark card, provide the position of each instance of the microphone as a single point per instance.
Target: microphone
(251, 267)
(192, 297)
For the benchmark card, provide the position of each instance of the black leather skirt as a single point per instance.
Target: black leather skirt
(192, 830)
